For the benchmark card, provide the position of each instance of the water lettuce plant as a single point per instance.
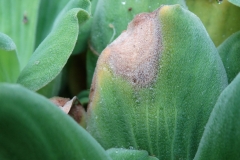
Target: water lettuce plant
(158, 79)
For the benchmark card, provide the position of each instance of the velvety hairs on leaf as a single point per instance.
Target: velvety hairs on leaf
(43, 68)
(163, 113)
(109, 22)
(229, 51)
(221, 138)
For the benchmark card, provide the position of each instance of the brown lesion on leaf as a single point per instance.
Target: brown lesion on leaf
(135, 54)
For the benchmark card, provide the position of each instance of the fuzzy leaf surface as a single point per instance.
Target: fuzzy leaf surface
(229, 51)
(155, 86)
(109, 22)
(47, 13)
(221, 138)
(50, 57)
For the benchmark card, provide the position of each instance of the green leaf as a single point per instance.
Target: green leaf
(83, 97)
(18, 19)
(84, 31)
(47, 13)
(155, 86)
(215, 16)
(9, 65)
(235, 2)
(31, 127)
(51, 12)
(53, 53)
(129, 154)
(83, 4)
(221, 138)
(229, 51)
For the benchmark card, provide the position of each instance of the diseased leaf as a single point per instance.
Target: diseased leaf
(9, 65)
(221, 138)
(229, 51)
(31, 127)
(109, 22)
(53, 53)
(155, 86)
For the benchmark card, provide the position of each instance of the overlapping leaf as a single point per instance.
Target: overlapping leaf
(229, 51)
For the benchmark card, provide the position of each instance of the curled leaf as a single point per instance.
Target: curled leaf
(52, 54)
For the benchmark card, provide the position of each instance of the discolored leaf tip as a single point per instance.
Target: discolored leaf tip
(135, 54)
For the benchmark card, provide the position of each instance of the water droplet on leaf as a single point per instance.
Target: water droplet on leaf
(131, 147)
(36, 62)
